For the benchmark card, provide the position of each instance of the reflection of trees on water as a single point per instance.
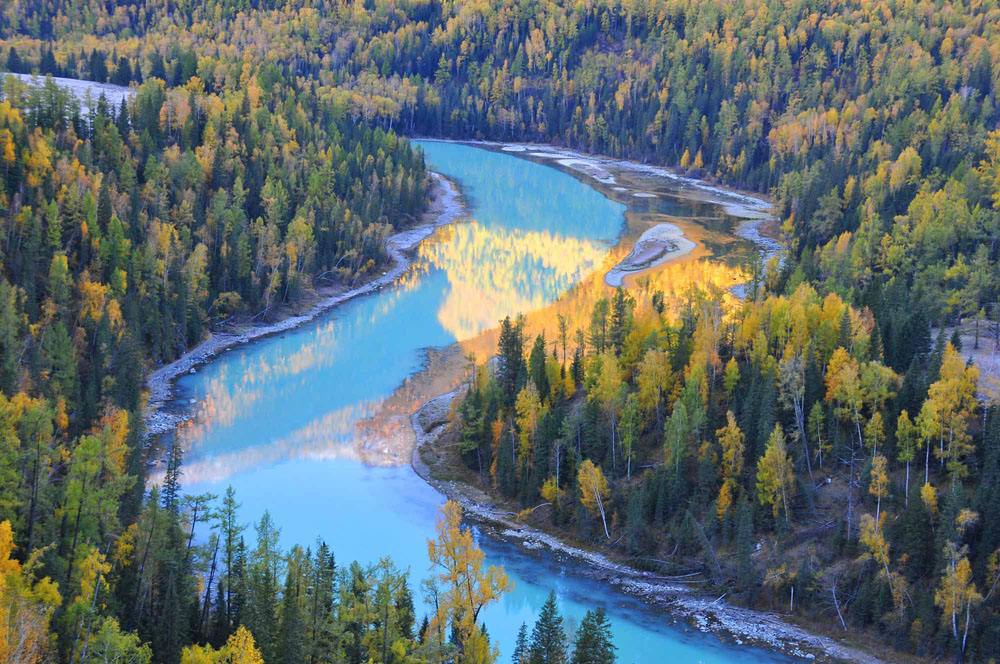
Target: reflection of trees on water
(326, 437)
(495, 272)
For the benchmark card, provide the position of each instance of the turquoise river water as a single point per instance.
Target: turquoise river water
(278, 418)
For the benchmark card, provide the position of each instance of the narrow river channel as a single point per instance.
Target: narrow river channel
(278, 419)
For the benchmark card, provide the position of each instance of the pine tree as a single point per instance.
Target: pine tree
(232, 533)
(264, 574)
(291, 642)
(14, 64)
(622, 305)
(548, 639)
(10, 326)
(521, 653)
(536, 367)
(510, 353)
(593, 641)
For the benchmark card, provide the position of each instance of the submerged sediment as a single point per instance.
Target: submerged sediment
(657, 245)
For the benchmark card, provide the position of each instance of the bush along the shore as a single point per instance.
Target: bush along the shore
(764, 448)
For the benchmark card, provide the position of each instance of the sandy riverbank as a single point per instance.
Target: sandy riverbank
(706, 614)
(657, 245)
(445, 207)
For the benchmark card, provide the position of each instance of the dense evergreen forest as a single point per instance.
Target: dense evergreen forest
(822, 436)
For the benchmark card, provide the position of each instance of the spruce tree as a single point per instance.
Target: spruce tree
(593, 641)
(291, 643)
(536, 367)
(622, 305)
(520, 655)
(548, 639)
(510, 357)
(14, 62)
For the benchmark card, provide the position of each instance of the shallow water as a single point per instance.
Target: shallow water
(279, 419)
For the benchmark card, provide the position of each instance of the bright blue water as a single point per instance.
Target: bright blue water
(278, 418)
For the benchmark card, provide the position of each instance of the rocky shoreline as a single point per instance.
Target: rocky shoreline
(445, 208)
(733, 623)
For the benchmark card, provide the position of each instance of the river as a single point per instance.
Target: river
(282, 419)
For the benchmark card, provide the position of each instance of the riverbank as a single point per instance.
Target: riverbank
(445, 207)
(432, 460)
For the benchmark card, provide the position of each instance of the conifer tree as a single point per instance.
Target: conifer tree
(594, 640)
(548, 638)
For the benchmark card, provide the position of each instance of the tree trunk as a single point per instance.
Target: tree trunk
(600, 505)
(800, 420)
(203, 623)
(906, 490)
(76, 533)
(34, 500)
(927, 462)
(142, 568)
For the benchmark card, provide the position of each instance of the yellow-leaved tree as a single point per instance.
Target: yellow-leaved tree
(465, 586)
(654, 381)
(733, 449)
(951, 403)
(775, 473)
(957, 593)
(25, 605)
(529, 410)
(240, 648)
(907, 440)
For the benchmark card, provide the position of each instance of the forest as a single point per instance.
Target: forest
(262, 157)
(771, 449)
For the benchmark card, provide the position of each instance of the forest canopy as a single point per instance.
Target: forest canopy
(262, 156)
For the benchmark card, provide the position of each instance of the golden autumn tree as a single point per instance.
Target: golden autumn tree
(25, 606)
(466, 587)
(929, 495)
(731, 438)
(654, 381)
(879, 484)
(876, 548)
(907, 440)
(775, 474)
(844, 388)
(196, 654)
(951, 403)
(240, 648)
(957, 592)
(731, 378)
(529, 409)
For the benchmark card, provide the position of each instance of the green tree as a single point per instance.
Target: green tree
(548, 638)
(594, 643)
